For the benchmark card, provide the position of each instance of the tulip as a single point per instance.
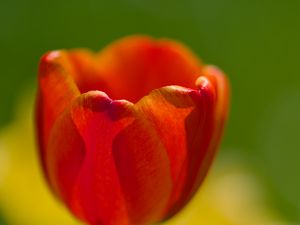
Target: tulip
(126, 136)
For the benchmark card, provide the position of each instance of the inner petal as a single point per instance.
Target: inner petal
(131, 67)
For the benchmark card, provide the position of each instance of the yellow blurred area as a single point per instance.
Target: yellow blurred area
(231, 195)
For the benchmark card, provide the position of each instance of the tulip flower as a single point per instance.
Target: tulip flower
(127, 135)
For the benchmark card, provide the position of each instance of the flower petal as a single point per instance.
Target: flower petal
(221, 107)
(133, 66)
(87, 75)
(221, 83)
(183, 119)
(56, 91)
(124, 177)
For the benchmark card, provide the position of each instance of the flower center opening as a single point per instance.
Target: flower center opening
(130, 69)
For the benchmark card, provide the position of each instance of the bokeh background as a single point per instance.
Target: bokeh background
(257, 43)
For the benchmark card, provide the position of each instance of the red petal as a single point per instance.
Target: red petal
(221, 84)
(134, 66)
(183, 119)
(87, 74)
(220, 114)
(124, 177)
(56, 91)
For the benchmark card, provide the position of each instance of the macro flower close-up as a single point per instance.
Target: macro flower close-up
(127, 135)
(149, 112)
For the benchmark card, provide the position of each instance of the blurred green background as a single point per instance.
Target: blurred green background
(257, 43)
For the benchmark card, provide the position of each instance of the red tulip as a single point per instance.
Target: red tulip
(134, 161)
